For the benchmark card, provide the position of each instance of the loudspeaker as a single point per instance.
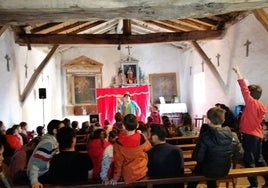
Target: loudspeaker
(42, 93)
(93, 118)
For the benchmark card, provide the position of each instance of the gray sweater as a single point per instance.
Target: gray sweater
(39, 162)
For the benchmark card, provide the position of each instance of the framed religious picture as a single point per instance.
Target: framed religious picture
(163, 85)
(84, 89)
(131, 73)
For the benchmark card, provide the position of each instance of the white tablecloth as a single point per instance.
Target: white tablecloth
(172, 108)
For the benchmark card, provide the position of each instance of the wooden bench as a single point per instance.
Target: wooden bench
(233, 173)
(81, 143)
(186, 146)
(177, 140)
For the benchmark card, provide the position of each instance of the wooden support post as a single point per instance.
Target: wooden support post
(3, 29)
(262, 16)
(127, 27)
(206, 59)
(36, 74)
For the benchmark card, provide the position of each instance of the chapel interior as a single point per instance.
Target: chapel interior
(65, 59)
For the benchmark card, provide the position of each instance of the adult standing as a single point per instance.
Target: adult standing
(128, 106)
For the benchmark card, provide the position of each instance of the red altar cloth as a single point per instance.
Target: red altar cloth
(107, 99)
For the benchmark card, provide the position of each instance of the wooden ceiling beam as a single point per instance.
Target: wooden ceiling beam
(127, 27)
(37, 74)
(18, 12)
(211, 66)
(54, 39)
(3, 29)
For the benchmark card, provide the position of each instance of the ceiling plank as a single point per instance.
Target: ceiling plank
(100, 28)
(68, 39)
(164, 25)
(16, 12)
(149, 26)
(192, 24)
(69, 28)
(40, 29)
(90, 24)
(178, 25)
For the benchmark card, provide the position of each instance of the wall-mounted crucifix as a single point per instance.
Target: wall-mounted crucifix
(128, 48)
(8, 59)
(218, 59)
(26, 72)
(247, 47)
(191, 70)
(203, 66)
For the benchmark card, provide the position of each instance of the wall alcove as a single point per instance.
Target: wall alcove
(83, 76)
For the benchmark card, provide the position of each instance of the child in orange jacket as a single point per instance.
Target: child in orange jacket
(130, 157)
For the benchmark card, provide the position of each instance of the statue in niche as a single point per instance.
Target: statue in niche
(120, 78)
(130, 78)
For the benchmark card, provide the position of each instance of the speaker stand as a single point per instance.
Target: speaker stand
(43, 112)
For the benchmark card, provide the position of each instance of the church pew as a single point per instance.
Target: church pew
(81, 143)
(177, 140)
(185, 147)
(233, 173)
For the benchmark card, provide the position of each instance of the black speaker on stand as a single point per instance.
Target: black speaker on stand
(43, 95)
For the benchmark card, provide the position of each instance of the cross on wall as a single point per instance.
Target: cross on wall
(218, 59)
(128, 48)
(247, 47)
(26, 70)
(8, 59)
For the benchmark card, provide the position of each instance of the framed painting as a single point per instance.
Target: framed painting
(163, 85)
(131, 73)
(84, 89)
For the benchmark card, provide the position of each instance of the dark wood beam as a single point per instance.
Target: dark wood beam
(3, 29)
(127, 27)
(36, 75)
(72, 39)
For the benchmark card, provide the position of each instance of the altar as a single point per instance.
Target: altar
(107, 100)
(173, 110)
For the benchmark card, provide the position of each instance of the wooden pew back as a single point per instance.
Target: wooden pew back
(233, 173)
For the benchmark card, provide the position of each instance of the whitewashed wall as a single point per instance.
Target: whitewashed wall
(232, 50)
(161, 58)
(153, 58)
(12, 111)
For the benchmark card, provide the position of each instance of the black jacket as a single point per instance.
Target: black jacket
(214, 151)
